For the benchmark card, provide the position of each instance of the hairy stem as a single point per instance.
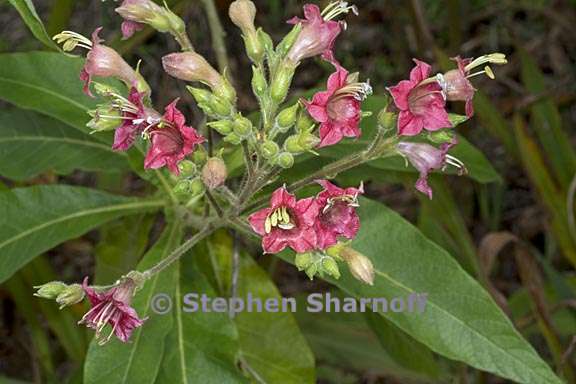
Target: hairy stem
(214, 203)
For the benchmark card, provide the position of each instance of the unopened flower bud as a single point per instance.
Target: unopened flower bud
(211, 104)
(223, 127)
(285, 160)
(269, 149)
(182, 187)
(311, 270)
(50, 290)
(233, 138)
(302, 260)
(359, 265)
(137, 12)
(304, 123)
(287, 117)
(259, 84)
(214, 173)
(292, 144)
(242, 14)
(386, 119)
(200, 155)
(196, 187)
(281, 82)
(330, 267)
(242, 126)
(190, 66)
(187, 168)
(308, 141)
(104, 118)
(71, 295)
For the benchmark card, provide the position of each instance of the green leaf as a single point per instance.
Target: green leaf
(31, 144)
(47, 83)
(28, 13)
(461, 321)
(38, 218)
(139, 360)
(270, 343)
(202, 346)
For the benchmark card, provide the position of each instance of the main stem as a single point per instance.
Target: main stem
(217, 33)
(178, 252)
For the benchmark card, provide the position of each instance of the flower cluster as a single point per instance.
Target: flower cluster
(319, 228)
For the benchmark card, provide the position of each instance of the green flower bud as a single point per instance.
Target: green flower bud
(308, 141)
(281, 82)
(233, 138)
(287, 117)
(302, 260)
(242, 126)
(269, 149)
(196, 187)
(50, 290)
(387, 120)
(311, 270)
(259, 84)
(200, 155)
(214, 173)
(182, 187)
(285, 160)
(71, 295)
(286, 43)
(224, 127)
(304, 123)
(292, 144)
(330, 267)
(187, 168)
(221, 106)
(225, 90)
(104, 118)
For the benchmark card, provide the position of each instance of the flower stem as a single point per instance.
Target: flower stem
(178, 252)
(217, 33)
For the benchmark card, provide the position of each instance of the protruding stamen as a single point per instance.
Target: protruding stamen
(359, 91)
(493, 58)
(71, 40)
(337, 8)
(489, 72)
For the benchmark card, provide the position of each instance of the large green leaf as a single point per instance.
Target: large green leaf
(139, 360)
(202, 346)
(461, 321)
(31, 144)
(28, 13)
(48, 83)
(271, 343)
(38, 218)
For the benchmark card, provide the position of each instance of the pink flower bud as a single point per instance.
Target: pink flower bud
(139, 12)
(242, 14)
(214, 173)
(421, 102)
(190, 66)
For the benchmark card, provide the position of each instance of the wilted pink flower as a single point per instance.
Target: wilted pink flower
(318, 32)
(171, 141)
(338, 108)
(136, 118)
(286, 223)
(426, 158)
(456, 84)
(103, 61)
(337, 217)
(112, 307)
(421, 102)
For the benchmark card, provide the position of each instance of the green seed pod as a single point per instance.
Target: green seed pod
(226, 91)
(308, 141)
(182, 187)
(196, 187)
(330, 267)
(302, 260)
(221, 106)
(304, 123)
(233, 138)
(311, 270)
(104, 118)
(269, 149)
(285, 160)
(287, 117)
(199, 156)
(50, 290)
(71, 295)
(387, 120)
(259, 84)
(187, 168)
(254, 47)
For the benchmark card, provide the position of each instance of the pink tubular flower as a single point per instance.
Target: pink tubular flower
(337, 217)
(426, 158)
(136, 119)
(338, 108)
(318, 32)
(103, 61)
(421, 102)
(171, 141)
(112, 307)
(286, 223)
(456, 84)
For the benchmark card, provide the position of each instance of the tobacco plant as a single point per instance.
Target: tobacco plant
(322, 225)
